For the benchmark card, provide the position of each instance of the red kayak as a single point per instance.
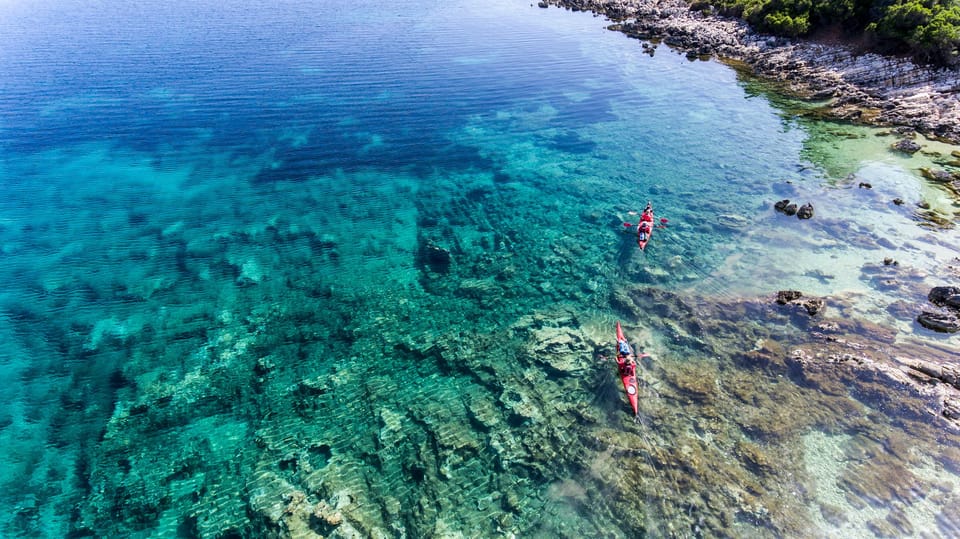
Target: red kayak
(645, 226)
(627, 367)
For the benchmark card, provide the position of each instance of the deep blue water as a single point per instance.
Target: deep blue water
(224, 309)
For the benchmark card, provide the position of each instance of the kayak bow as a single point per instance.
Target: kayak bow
(627, 368)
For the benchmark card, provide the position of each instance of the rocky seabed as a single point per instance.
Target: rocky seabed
(348, 414)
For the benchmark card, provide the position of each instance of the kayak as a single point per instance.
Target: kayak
(627, 368)
(645, 228)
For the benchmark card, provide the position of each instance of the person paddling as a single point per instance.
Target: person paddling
(645, 226)
(626, 360)
(647, 214)
(627, 369)
(626, 366)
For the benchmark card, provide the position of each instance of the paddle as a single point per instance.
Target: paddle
(636, 357)
(663, 223)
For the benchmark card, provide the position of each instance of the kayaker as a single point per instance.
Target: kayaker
(628, 367)
(627, 364)
(646, 223)
(647, 214)
(643, 230)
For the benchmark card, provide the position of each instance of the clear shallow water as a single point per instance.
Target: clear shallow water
(222, 317)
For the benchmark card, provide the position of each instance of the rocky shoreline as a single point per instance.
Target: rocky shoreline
(863, 88)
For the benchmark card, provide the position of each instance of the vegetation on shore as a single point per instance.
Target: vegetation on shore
(928, 30)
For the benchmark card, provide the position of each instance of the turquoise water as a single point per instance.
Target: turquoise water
(345, 270)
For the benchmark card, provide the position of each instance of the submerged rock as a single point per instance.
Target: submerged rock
(733, 221)
(435, 257)
(811, 306)
(785, 206)
(947, 374)
(945, 296)
(786, 296)
(945, 319)
(906, 146)
(939, 176)
(561, 349)
(941, 320)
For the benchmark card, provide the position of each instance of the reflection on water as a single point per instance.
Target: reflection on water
(238, 307)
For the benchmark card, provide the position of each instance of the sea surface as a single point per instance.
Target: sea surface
(351, 269)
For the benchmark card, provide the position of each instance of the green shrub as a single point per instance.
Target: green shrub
(929, 30)
(782, 24)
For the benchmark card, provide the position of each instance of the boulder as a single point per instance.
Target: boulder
(945, 296)
(947, 374)
(786, 296)
(906, 146)
(939, 176)
(945, 318)
(805, 211)
(951, 409)
(785, 206)
(435, 257)
(940, 320)
(811, 306)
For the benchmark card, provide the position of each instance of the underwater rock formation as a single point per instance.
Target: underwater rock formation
(907, 146)
(811, 306)
(945, 296)
(942, 320)
(785, 206)
(435, 257)
(949, 374)
(563, 350)
(790, 208)
(946, 318)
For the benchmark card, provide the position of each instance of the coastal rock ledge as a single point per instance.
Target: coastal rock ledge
(865, 88)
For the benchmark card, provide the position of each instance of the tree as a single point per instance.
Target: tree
(783, 24)
(929, 30)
